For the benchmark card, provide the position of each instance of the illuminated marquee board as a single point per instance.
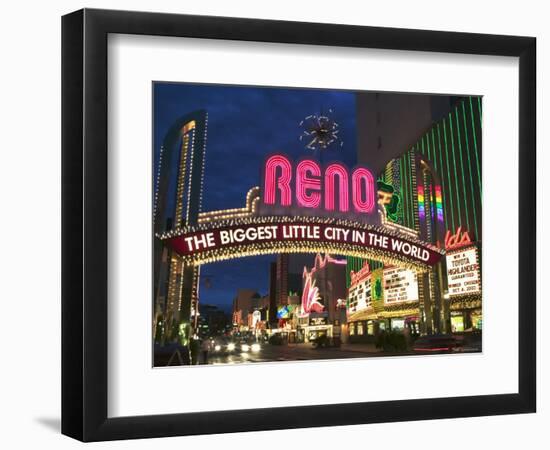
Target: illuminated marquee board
(400, 285)
(264, 235)
(359, 293)
(463, 272)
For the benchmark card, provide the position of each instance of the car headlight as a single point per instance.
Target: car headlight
(245, 347)
(256, 347)
(231, 347)
(217, 348)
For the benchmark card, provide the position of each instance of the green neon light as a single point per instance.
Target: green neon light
(392, 208)
(475, 143)
(433, 146)
(479, 108)
(454, 164)
(449, 194)
(406, 188)
(403, 192)
(409, 162)
(470, 169)
(427, 144)
(462, 170)
(442, 178)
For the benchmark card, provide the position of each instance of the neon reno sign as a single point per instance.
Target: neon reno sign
(305, 185)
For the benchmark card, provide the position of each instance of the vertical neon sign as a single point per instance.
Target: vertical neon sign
(439, 203)
(421, 207)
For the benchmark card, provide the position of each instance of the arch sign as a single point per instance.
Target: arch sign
(304, 207)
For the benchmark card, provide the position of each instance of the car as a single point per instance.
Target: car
(246, 346)
(223, 346)
(438, 343)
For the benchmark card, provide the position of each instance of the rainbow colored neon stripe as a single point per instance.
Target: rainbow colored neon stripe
(439, 203)
(421, 205)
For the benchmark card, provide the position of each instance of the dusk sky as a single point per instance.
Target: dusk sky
(244, 125)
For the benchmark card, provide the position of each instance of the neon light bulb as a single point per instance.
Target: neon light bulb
(343, 183)
(272, 183)
(304, 183)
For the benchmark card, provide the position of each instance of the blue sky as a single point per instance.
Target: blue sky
(244, 125)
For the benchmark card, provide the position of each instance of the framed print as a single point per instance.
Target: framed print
(318, 224)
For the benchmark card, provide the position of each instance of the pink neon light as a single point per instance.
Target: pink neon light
(343, 182)
(310, 296)
(361, 274)
(304, 184)
(363, 200)
(272, 183)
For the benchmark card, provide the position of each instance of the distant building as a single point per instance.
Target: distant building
(329, 276)
(273, 294)
(288, 276)
(215, 319)
(244, 302)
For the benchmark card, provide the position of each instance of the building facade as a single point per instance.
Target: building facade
(433, 189)
(176, 203)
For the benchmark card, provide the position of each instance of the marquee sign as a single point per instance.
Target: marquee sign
(400, 285)
(264, 235)
(463, 274)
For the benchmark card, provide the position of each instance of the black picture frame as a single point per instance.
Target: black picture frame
(84, 224)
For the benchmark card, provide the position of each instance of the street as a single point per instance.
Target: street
(295, 352)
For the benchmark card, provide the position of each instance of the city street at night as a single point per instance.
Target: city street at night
(295, 352)
(336, 237)
(299, 352)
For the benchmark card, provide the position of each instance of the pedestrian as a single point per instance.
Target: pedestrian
(195, 348)
(407, 335)
(205, 347)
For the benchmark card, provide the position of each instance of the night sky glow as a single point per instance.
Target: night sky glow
(244, 125)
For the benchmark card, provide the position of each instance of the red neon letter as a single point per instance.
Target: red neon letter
(271, 182)
(304, 183)
(363, 199)
(343, 198)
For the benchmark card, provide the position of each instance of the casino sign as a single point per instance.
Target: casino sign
(303, 207)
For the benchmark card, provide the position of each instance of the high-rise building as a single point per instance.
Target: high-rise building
(245, 302)
(176, 203)
(289, 275)
(273, 303)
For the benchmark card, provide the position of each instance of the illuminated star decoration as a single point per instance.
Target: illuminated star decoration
(320, 132)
